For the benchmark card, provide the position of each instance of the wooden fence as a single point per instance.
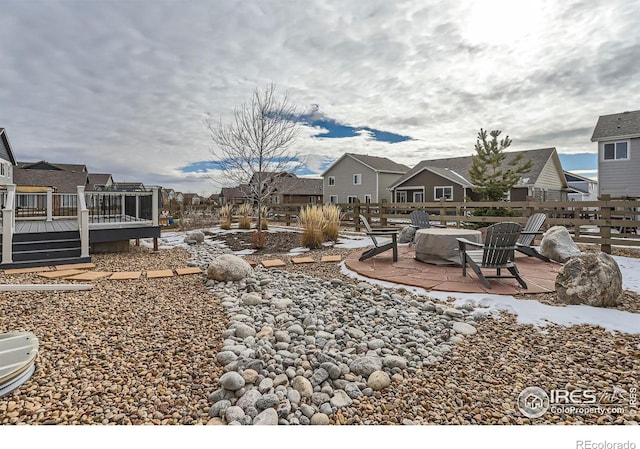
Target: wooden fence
(605, 222)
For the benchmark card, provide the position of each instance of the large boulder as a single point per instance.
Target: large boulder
(406, 234)
(194, 237)
(592, 278)
(557, 245)
(229, 268)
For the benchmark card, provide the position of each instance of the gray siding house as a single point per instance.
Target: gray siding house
(7, 160)
(581, 188)
(432, 180)
(360, 178)
(618, 137)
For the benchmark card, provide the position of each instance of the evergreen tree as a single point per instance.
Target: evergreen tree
(490, 172)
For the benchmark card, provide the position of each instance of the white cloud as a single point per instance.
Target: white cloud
(124, 86)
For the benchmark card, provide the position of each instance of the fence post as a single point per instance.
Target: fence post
(578, 217)
(458, 214)
(8, 223)
(605, 231)
(356, 217)
(529, 210)
(383, 212)
(443, 212)
(49, 204)
(154, 207)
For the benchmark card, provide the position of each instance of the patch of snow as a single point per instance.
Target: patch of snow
(244, 252)
(298, 250)
(630, 269)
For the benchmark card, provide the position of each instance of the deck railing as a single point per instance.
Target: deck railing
(8, 224)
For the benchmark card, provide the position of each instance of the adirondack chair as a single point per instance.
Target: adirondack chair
(496, 253)
(528, 235)
(420, 220)
(377, 246)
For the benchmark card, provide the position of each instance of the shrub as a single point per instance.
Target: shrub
(332, 217)
(312, 221)
(258, 239)
(225, 216)
(245, 211)
(265, 222)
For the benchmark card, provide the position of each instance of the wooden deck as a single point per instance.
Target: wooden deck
(28, 227)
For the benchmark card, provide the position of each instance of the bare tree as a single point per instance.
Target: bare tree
(255, 147)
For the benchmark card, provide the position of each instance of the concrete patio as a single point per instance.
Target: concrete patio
(540, 276)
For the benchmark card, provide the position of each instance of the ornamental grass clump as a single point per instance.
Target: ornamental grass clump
(245, 211)
(225, 216)
(332, 217)
(264, 221)
(312, 221)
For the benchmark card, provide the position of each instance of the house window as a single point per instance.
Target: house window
(312, 199)
(616, 150)
(445, 192)
(333, 199)
(367, 198)
(401, 197)
(352, 199)
(331, 180)
(418, 197)
(357, 179)
(2, 170)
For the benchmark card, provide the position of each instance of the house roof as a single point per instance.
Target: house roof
(44, 165)
(460, 166)
(623, 125)
(572, 177)
(299, 186)
(99, 179)
(128, 185)
(232, 192)
(375, 163)
(5, 148)
(63, 181)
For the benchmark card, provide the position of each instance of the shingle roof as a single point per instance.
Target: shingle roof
(462, 165)
(63, 181)
(99, 179)
(624, 124)
(299, 186)
(381, 164)
(44, 165)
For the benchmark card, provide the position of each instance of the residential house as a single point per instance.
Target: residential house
(618, 138)
(234, 195)
(581, 188)
(213, 199)
(296, 190)
(192, 199)
(37, 177)
(168, 198)
(99, 182)
(432, 180)
(128, 186)
(361, 178)
(7, 160)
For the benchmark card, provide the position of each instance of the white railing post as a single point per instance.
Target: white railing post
(123, 207)
(8, 225)
(83, 223)
(49, 204)
(154, 206)
(137, 207)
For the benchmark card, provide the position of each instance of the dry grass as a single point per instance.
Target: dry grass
(246, 212)
(312, 220)
(332, 216)
(258, 239)
(265, 221)
(226, 213)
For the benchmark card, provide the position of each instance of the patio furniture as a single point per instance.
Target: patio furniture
(420, 220)
(496, 253)
(439, 246)
(18, 352)
(377, 246)
(528, 235)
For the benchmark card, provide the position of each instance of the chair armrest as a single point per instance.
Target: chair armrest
(462, 244)
(382, 233)
(385, 230)
(437, 226)
(532, 232)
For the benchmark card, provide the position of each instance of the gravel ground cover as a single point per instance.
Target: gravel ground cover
(144, 351)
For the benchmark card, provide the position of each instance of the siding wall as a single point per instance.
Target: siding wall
(384, 181)
(622, 177)
(343, 172)
(429, 180)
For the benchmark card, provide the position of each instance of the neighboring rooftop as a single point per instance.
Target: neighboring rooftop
(623, 125)
(376, 163)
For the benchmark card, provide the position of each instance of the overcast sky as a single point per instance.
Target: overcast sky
(124, 86)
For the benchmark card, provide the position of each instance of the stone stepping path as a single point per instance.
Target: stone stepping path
(90, 275)
(159, 274)
(271, 263)
(302, 260)
(60, 274)
(81, 272)
(126, 275)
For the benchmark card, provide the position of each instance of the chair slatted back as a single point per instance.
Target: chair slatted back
(499, 244)
(534, 224)
(420, 219)
(368, 227)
